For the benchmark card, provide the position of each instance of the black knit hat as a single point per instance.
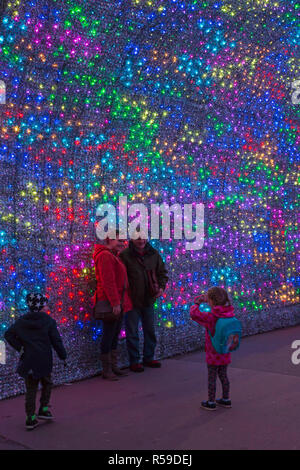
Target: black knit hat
(36, 302)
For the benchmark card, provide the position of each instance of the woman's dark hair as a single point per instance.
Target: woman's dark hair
(218, 296)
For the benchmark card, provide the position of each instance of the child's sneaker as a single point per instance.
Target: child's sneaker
(44, 413)
(209, 405)
(31, 422)
(224, 403)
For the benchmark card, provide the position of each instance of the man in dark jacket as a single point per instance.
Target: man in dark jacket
(147, 278)
(34, 335)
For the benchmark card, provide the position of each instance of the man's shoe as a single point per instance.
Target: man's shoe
(153, 364)
(31, 422)
(44, 413)
(209, 405)
(136, 368)
(224, 403)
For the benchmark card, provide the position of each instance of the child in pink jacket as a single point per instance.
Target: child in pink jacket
(217, 364)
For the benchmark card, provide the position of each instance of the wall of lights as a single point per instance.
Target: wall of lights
(163, 101)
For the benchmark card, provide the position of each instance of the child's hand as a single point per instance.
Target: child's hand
(200, 299)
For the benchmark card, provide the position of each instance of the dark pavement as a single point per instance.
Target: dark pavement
(160, 409)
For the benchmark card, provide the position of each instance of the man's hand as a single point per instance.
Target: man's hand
(117, 310)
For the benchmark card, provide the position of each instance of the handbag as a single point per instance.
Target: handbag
(104, 311)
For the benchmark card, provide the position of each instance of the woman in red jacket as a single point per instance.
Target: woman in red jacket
(112, 285)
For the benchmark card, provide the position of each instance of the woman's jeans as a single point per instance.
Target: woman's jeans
(146, 314)
(110, 335)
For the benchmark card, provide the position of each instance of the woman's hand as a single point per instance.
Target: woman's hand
(160, 293)
(117, 310)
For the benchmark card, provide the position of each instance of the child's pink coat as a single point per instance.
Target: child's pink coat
(209, 320)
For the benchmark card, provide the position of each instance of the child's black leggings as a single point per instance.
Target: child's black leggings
(31, 392)
(221, 371)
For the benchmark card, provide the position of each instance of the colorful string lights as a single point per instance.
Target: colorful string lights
(163, 101)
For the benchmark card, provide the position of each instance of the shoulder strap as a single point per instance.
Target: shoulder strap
(123, 293)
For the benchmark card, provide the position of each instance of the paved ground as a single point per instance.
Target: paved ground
(159, 409)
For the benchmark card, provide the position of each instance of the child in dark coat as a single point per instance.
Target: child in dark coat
(34, 335)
